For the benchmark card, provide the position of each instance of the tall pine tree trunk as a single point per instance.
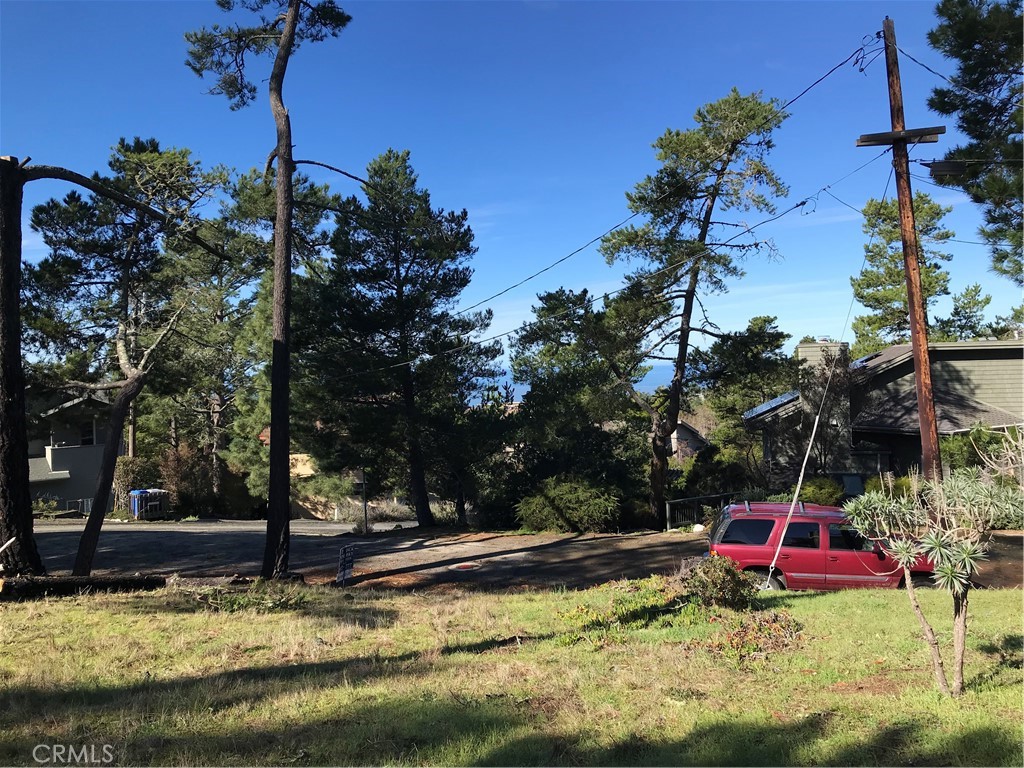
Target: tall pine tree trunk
(275, 554)
(22, 557)
(659, 471)
(417, 464)
(118, 416)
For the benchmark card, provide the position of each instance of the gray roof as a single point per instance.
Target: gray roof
(39, 472)
(954, 412)
(86, 400)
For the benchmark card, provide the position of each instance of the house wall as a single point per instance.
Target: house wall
(998, 382)
(71, 434)
(993, 375)
(82, 463)
(813, 351)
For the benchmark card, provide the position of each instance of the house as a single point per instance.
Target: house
(65, 451)
(686, 441)
(874, 418)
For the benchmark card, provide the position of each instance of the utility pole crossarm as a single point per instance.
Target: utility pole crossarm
(911, 136)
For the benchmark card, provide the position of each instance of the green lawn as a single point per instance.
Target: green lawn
(325, 677)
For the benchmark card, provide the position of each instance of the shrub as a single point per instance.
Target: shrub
(821, 490)
(711, 474)
(45, 507)
(717, 581)
(569, 504)
(186, 474)
(964, 450)
(900, 486)
(131, 473)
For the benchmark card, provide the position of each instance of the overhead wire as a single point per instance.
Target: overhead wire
(602, 296)
(821, 405)
(959, 87)
(858, 57)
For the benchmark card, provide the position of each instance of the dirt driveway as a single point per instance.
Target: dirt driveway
(412, 559)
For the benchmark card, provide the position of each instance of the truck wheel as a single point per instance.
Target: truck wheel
(769, 583)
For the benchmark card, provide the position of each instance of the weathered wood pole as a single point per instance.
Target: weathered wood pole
(930, 459)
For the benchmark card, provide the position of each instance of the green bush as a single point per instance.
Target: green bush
(821, 490)
(710, 474)
(569, 504)
(901, 486)
(964, 450)
(45, 507)
(132, 473)
(717, 581)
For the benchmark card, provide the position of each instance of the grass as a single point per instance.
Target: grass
(291, 675)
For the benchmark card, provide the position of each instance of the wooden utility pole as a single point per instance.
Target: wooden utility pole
(899, 138)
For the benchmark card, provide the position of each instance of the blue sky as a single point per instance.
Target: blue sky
(535, 116)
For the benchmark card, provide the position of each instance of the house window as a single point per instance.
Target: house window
(88, 435)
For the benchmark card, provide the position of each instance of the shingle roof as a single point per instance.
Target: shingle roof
(39, 472)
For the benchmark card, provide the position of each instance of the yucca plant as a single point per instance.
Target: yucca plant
(948, 522)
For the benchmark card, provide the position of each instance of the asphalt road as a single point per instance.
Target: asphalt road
(411, 558)
(396, 558)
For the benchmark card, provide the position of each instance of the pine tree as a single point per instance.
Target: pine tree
(385, 357)
(881, 286)
(718, 165)
(986, 40)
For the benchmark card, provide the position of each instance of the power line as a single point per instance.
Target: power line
(745, 231)
(858, 57)
(963, 88)
(593, 301)
(599, 297)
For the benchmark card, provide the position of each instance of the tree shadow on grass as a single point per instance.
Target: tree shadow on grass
(803, 742)
(441, 727)
(344, 609)
(1009, 653)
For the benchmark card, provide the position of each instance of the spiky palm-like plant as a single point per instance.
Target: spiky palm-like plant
(947, 522)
